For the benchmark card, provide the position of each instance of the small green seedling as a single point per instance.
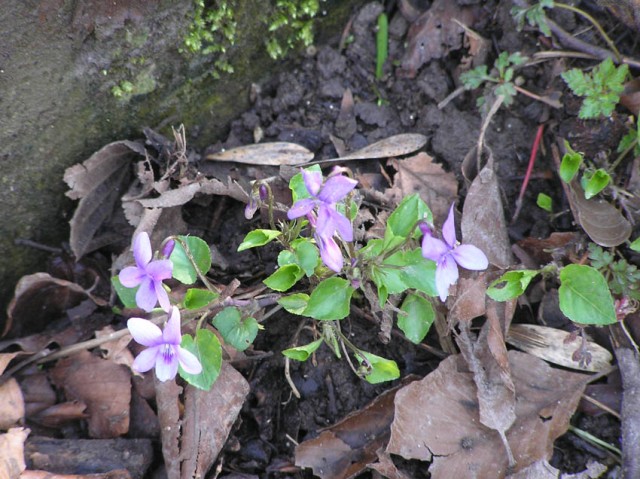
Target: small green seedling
(534, 16)
(544, 201)
(601, 88)
(501, 76)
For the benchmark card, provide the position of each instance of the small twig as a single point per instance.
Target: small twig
(483, 130)
(527, 176)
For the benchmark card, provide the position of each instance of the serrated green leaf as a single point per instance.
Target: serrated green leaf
(295, 303)
(196, 298)
(127, 295)
(596, 183)
(330, 300)
(284, 277)
(377, 369)
(585, 297)
(514, 283)
(544, 201)
(183, 270)
(257, 238)
(302, 353)
(420, 316)
(236, 331)
(576, 81)
(475, 77)
(206, 347)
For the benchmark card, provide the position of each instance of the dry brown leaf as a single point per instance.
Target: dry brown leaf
(419, 174)
(469, 298)
(386, 467)
(437, 419)
(37, 392)
(104, 386)
(543, 470)
(604, 224)
(209, 417)
(483, 224)
(12, 452)
(273, 154)
(434, 34)
(11, 400)
(115, 474)
(551, 345)
(98, 183)
(116, 350)
(38, 299)
(344, 449)
(60, 414)
(167, 400)
(397, 145)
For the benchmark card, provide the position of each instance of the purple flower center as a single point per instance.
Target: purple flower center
(167, 352)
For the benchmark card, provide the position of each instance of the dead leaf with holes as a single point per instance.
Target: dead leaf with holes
(437, 419)
(276, 153)
(420, 174)
(98, 182)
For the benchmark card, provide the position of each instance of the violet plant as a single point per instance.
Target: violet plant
(321, 268)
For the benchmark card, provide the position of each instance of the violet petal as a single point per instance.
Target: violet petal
(336, 188)
(171, 333)
(166, 365)
(145, 360)
(342, 224)
(142, 249)
(301, 208)
(313, 181)
(144, 332)
(131, 276)
(449, 229)
(188, 361)
(433, 248)
(470, 257)
(330, 253)
(446, 275)
(160, 269)
(146, 297)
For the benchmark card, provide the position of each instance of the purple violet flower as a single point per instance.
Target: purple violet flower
(163, 348)
(448, 254)
(148, 275)
(328, 219)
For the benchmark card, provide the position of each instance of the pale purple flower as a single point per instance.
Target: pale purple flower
(328, 220)
(448, 254)
(163, 348)
(325, 198)
(148, 275)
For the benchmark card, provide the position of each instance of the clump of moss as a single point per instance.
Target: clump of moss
(212, 30)
(293, 20)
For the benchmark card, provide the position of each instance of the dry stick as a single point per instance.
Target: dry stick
(601, 53)
(483, 130)
(527, 176)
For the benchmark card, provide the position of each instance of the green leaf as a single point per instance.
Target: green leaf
(302, 353)
(475, 77)
(284, 277)
(183, 270)
(544, 201)
(297, 186)
(127, 295)
(330, 300)
(570, 164)
(401, 223)
(197, 298)
(382, 41)
(295, 303)
(257, 238)
(419, 272)
(585, 297)
(206, 348)
(419, 318)
(307, 255)
(236, 331)
(596, 183)
(635, 246)
(514, 284)
(577, 81)
(377, 369)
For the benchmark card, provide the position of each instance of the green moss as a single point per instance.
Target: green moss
(144, 82)
(291, 26)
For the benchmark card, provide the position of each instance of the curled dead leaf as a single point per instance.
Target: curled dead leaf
(274, 154)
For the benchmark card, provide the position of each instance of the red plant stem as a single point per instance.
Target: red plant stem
(527, 176)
